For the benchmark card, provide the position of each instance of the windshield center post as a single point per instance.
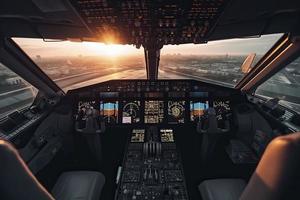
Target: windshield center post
(152, 57)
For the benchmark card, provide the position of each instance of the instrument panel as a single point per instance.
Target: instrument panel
(152, 102)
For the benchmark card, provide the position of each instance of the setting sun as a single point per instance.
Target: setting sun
(59, 48)
(111, 50)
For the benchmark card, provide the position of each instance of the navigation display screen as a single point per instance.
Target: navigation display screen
(222, 108)
(154, 112)
(176, 112)
(109, 111)
(83, 107)
(197, 109)
(131, 112)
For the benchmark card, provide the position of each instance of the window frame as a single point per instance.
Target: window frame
(27, 86)
(266, 98)
(14, 59)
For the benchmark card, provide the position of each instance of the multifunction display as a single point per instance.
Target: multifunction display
(154, 112)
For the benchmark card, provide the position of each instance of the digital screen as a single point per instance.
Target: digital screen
(131, 112)
(109, 111)
(83, 107)
(222, 108)
(166, 135)
(176, 112)
(138, 135)
(197, 109)
(154, 112)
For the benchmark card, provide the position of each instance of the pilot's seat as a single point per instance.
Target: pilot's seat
(17, 181)
(276, 176)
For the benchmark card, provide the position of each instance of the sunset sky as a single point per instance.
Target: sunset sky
(35, 47)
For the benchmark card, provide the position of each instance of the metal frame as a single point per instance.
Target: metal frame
(284, 51)
(17, 60)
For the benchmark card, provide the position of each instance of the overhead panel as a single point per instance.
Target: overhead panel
(150, 22)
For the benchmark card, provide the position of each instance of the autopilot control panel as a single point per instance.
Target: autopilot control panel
(152, 167)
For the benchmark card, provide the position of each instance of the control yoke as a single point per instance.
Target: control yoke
(91, 123)
(210, 133)
(91, 132)
(212, 124)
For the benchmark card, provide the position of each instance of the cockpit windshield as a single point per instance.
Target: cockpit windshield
(219, 62)
(76, 64)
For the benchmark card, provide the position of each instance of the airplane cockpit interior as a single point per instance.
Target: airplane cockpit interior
(149, 99)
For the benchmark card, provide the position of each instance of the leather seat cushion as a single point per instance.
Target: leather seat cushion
(79, 185)
(222, 189)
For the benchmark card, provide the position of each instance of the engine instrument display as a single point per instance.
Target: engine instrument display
(197, 109)
(222, 108)
(154, 112)
(84, 107)
(138, 135)
(166, 135)
(176, 112)
(109, 111)
(131, 112)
